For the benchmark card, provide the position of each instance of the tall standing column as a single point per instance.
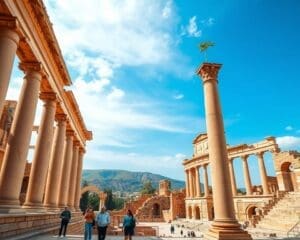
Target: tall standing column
(198, 190)
(247, 178)
(55, 166)
(78, 178)
(66, 170)
(187, 190)
(40, 163)
(232, 177)
(9, 40)
(14, 161)
(191, 183)
(225, 225)
(263, 173)
(73, 176)
(206, 188)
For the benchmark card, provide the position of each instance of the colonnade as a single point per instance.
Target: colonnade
(193, 186)
(57, 163)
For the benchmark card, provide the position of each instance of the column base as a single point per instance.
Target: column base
(13, 209)
(31, 207)
(226, 230)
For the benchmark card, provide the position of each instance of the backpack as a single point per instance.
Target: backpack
(132, 222)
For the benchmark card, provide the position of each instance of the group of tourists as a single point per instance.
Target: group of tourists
(101, 221)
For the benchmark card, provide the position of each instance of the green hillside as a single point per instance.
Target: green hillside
(125, 181)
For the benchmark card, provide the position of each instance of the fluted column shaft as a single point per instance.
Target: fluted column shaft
(66, 170)
(247, 178)
(78, 178)
(263, 173)
(198, 190)
(232, 177)
(14, 161)
(9, 41)
(73, 176)
(55, 166)
(191, 183)
(40, 163)
(187, 190)
(225, 225)
(206, 188)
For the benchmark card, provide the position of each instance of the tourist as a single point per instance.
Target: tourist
(89, 217)
(65, 219)
(128, 225)
(172, 229)
(103, 220)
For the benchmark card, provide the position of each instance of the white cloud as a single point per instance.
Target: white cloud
(208, 22)
(192, 29)
(167, 11)
(178, 96)
(288, 142)
(289, 128)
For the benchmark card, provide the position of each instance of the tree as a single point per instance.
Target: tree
(84, 200)
(93, 201)
(109, 199)
(147, 188)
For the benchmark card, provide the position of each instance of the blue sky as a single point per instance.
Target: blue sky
(133, 66)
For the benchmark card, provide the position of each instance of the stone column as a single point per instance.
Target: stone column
(14, 160)
(198, 190)
(191, 183)
(55, 166)
(9, 40)
(263, 173)
(40, 163)
(66, 170)
(247, 178)
(225, 225)
(73, 176)
(78, 178)
(187, 190)
(206, 188)
(232, 177)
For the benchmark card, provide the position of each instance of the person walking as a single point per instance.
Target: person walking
(128, 225)
(65, 219)
(103, 220)
(89, 217)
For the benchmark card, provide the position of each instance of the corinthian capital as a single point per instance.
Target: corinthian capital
(8, 22)
(209, 71)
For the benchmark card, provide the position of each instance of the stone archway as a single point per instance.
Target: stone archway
(197, 212)
(156, 210)
(287, 176)
(92, 188)
(251, 211)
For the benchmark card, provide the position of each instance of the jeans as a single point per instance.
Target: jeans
(88, 231)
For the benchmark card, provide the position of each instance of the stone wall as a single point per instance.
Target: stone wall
(12, 225)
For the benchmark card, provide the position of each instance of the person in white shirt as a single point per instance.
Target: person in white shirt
(103, 220)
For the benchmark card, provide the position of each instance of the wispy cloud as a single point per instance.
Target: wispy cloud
(208, 22)
(192, 29)
(289, 128)
(178, 96)
(289, 142)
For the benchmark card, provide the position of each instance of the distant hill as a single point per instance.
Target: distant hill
(125, 181)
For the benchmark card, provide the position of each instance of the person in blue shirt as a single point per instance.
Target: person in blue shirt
(128, 225)
(103, 220)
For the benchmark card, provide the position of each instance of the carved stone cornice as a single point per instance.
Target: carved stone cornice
(209, 71)
(8, 22)
(76, 143)
(31, 67)
(51, 96)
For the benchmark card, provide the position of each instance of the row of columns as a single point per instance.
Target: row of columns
(193, 186)
(56, 167)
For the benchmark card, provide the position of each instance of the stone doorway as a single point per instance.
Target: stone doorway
(287, 176)
(197, 211)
